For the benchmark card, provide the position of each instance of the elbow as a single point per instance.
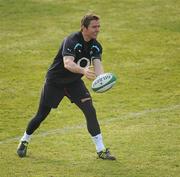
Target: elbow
(67, 64)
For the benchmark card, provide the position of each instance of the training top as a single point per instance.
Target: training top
(83, 52)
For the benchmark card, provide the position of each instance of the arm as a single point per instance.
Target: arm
(98, 68)
(70, 65)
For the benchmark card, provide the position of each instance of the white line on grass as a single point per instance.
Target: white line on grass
(68, 129)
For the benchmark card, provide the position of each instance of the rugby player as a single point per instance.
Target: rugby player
(77, 52)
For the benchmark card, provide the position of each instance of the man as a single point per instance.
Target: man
(77, 52)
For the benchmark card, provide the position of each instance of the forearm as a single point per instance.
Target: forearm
(98, 68)
(73, 67)
(70, 65)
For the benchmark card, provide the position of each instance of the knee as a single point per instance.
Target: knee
(88, 107)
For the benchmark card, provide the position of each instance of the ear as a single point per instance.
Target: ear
(83, 28)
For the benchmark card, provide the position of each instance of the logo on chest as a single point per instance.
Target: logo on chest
(83, 62)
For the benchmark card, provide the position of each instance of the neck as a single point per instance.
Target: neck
(86, 38)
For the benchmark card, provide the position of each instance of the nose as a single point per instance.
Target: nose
(97, 29)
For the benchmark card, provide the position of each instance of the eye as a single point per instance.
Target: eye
(96, 26)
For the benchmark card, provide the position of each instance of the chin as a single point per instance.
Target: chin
(94, 37)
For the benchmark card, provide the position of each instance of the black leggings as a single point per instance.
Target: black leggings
(35, 122)
(86, 107)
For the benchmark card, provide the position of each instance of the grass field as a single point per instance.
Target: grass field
(139, 117)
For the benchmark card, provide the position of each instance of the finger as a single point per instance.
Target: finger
(91, 67)
(90, 78)
(91, 75)
(90, 71)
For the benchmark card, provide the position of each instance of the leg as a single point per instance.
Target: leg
(35, 122)
(79, 94)
(94, 129)
(42, 113)
(90, 114)
(51, 96)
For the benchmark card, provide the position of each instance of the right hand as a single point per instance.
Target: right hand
(89, 74)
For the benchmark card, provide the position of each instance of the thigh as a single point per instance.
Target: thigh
(51, 95)
(77, 92)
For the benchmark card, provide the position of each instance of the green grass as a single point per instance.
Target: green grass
(139, 117)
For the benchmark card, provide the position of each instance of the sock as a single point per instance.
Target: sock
(98, 142)
(26, 137)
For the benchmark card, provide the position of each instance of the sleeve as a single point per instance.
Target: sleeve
(96, 51)
(68, 47)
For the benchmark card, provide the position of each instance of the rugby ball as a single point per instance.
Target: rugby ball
(103, 82)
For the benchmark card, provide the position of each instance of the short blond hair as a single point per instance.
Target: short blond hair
(85, 21)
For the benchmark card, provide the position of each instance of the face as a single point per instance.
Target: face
(92, 30)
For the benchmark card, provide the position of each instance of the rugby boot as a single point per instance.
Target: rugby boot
(106, 155)
(22, 148)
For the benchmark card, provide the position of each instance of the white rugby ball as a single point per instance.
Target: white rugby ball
(103, 82)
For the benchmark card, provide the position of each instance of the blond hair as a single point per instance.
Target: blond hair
(85, 21)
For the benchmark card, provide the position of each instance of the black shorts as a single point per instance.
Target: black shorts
(53, 93)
